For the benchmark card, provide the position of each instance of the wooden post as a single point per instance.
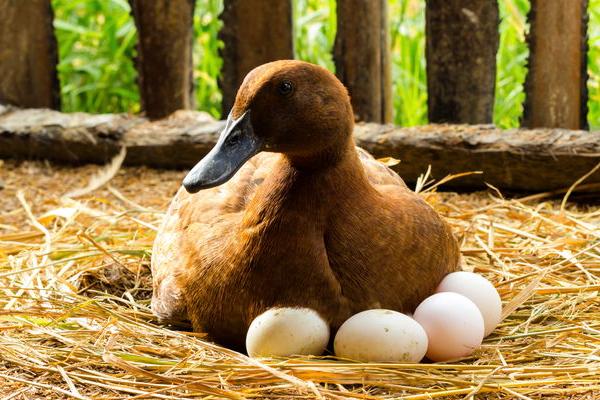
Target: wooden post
(362, 57)
(461, 45)
(164, 61)
(28, 54)
(254, 32)
(555, 88)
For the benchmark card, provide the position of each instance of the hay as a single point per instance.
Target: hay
(75, 319)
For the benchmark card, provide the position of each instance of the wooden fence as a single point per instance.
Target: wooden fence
(461, 45)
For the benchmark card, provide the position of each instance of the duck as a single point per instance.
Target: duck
(286, 211)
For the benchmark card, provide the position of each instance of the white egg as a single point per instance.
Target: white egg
(480, 291)
(381, 336)
(286, 331)
(453, 324)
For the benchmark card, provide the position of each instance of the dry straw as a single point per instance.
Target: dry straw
(75, 321)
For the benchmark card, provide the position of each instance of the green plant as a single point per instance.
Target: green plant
(314, 31)
(409, 80)
(96, 47)
(594, 64)
(207, 62)
(511, 63)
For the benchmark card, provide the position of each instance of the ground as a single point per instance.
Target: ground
(75, 284)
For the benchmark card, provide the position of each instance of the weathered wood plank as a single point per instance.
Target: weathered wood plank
(555, 87)
(28, 54)
(362, 58)
(461, 44)
(518, 159)
(164, 61)
(65, 138)
(254, 32)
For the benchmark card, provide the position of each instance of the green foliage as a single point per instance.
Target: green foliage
(97, 43)
(594, 65)
(207, 62)
(407, 38)
(96, 46)
(314, 31)
(511, 61)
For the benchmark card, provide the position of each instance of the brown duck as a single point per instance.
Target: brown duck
(286, 211)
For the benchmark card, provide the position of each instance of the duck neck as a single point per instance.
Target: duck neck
(303, 183)
(324, 159)
(332, 172)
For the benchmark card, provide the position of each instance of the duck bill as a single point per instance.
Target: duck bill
(236, 145)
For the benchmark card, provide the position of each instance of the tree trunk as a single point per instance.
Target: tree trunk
(254, 32)
(362, 57)
(164, 61)
(461, 45)
(28, 54)
(556, 95)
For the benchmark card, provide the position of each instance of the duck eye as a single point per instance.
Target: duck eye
(285, 88)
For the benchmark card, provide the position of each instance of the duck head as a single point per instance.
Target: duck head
(292, 107)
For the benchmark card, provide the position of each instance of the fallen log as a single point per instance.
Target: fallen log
(517, 159)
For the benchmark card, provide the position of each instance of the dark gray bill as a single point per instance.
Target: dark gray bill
(236, 145)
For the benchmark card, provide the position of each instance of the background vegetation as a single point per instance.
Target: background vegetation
(97, 44)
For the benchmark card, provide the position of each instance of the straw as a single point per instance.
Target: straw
(75, 287)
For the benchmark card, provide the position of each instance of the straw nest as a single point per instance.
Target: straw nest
(75, 283)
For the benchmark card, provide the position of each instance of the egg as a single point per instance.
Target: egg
(453, 324)
(480, 291)
(285, 331)
(381, 336)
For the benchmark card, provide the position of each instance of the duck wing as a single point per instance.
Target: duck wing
(196, 224)
(379, 174)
